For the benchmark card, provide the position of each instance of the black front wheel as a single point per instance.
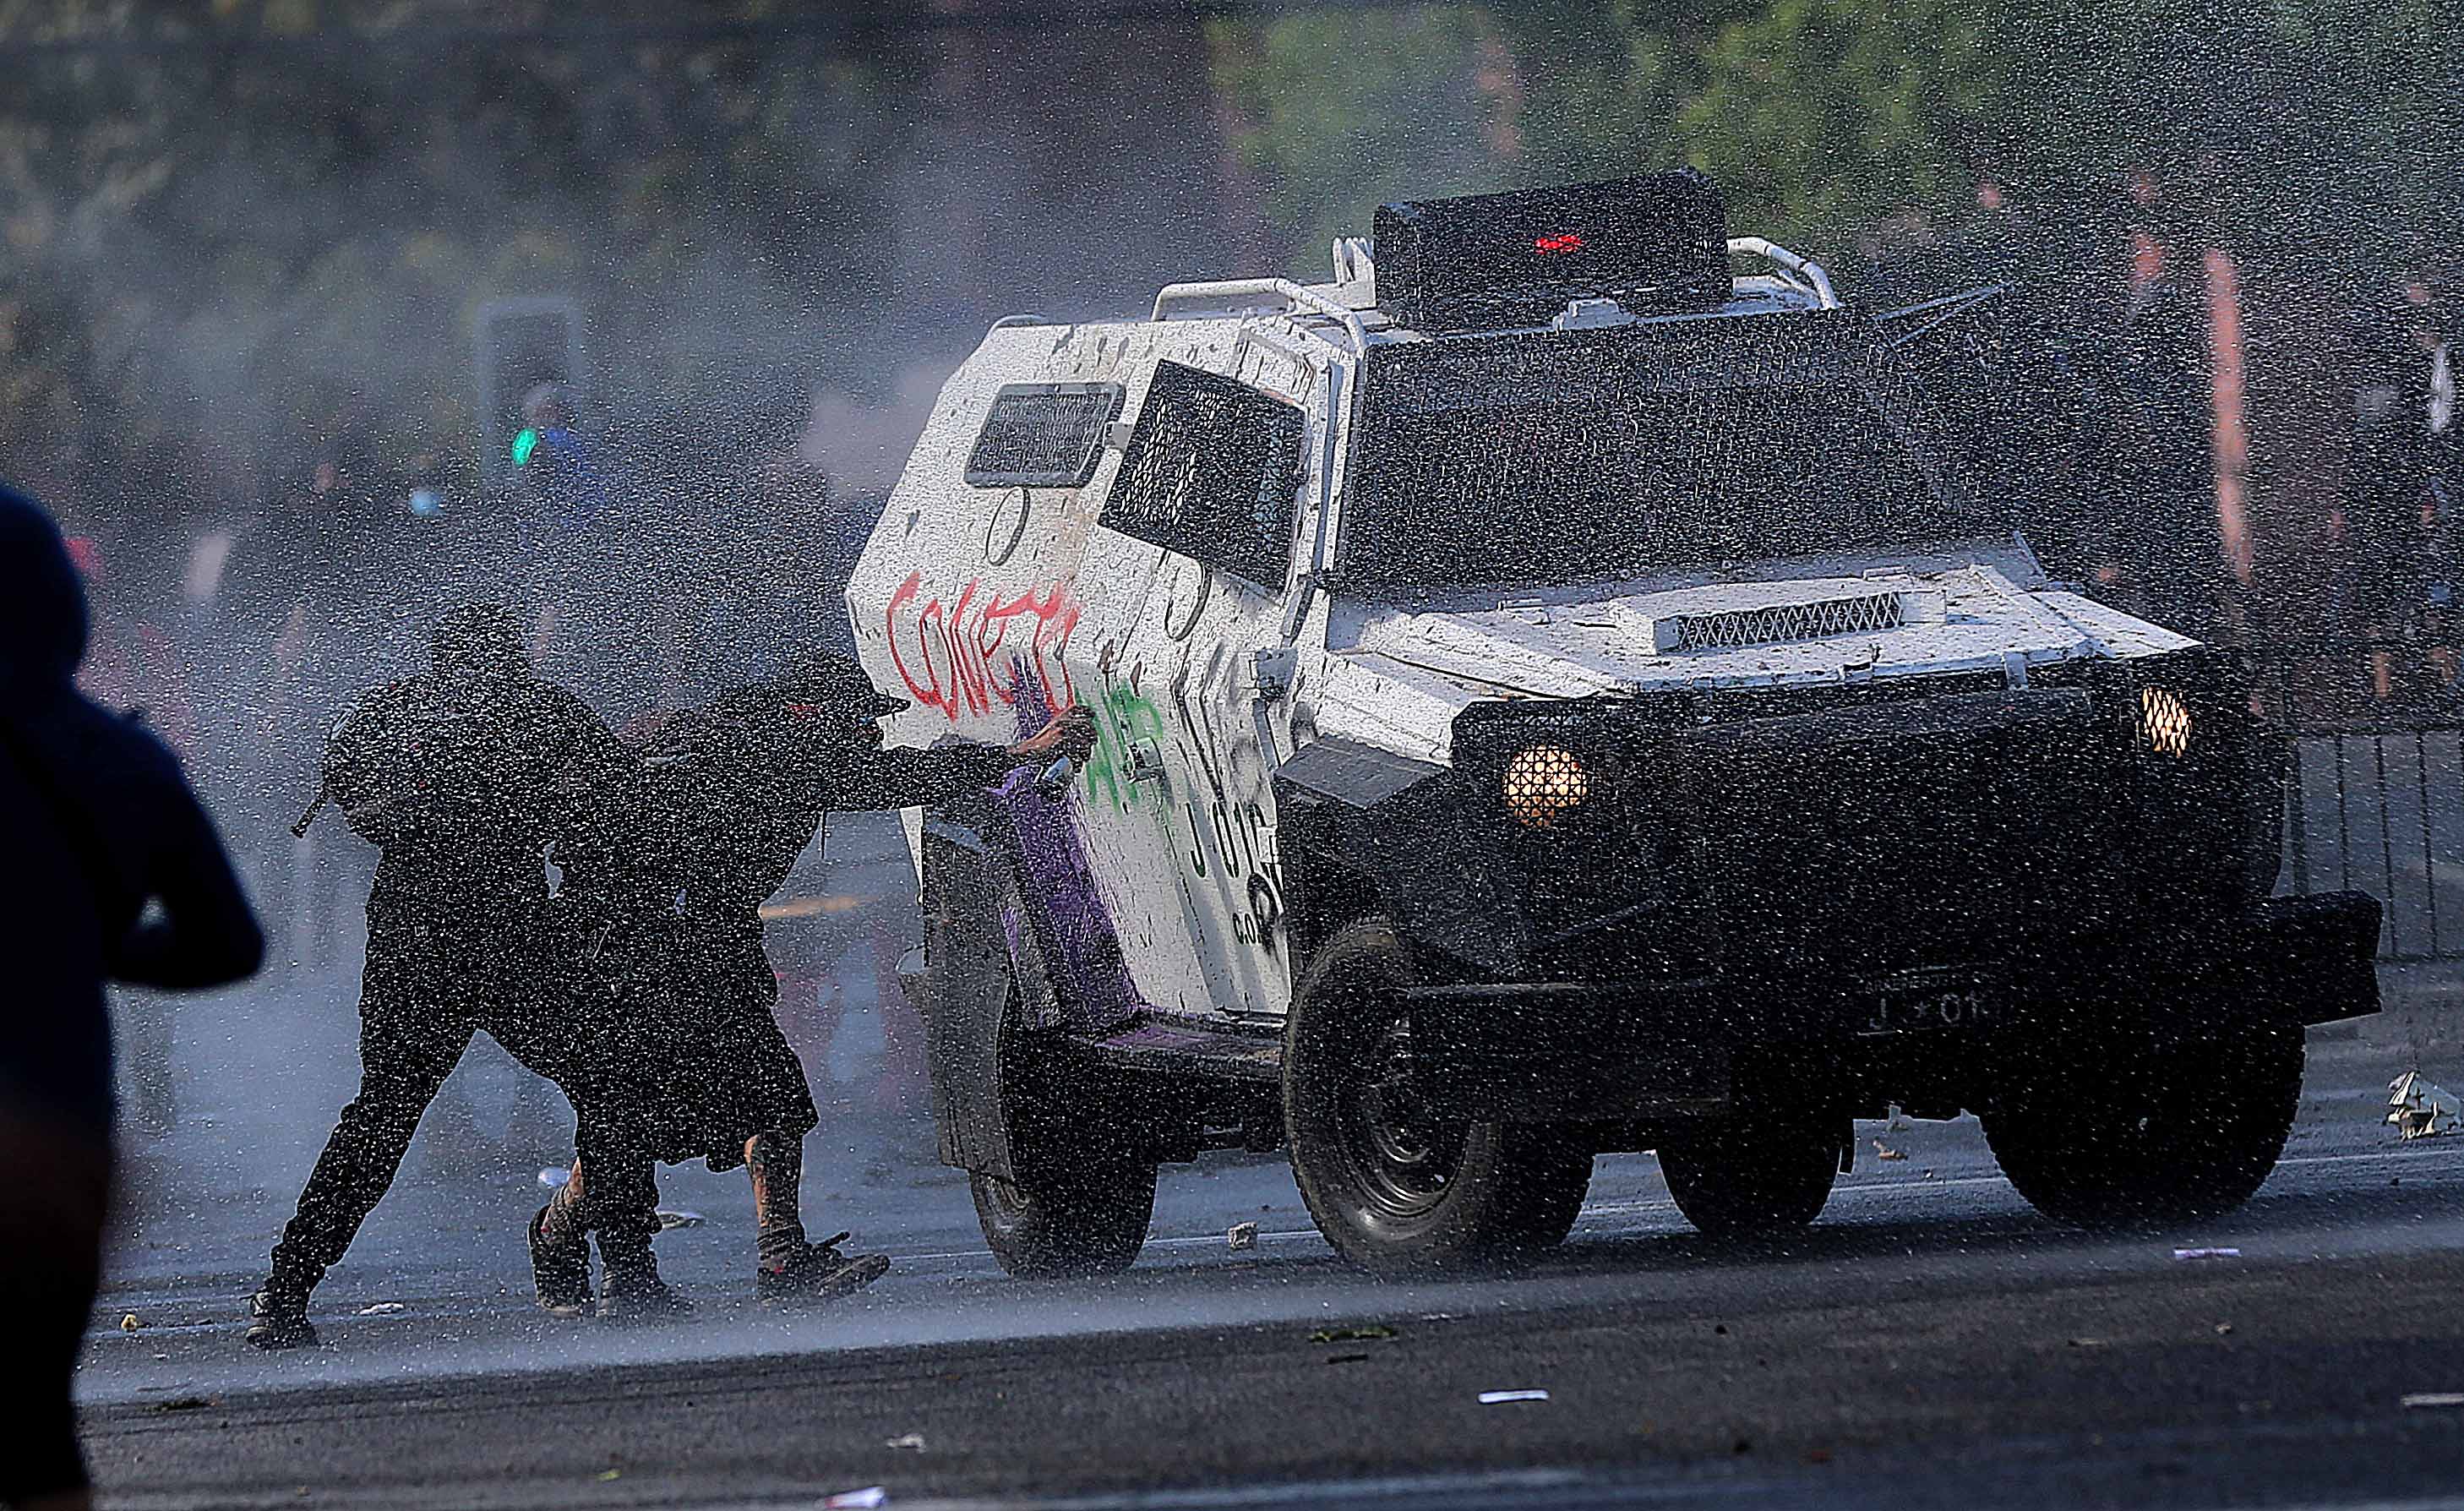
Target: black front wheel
(1397, 1185)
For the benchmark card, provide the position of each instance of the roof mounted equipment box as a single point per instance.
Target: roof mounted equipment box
(1494, 261)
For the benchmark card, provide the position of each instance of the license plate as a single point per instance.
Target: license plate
(1919, 1006)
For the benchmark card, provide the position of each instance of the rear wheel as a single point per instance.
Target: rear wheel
(2188, 1131)
(1079, 1197)
(1395, 1184)
(1090, 1220)
(1751, 1177)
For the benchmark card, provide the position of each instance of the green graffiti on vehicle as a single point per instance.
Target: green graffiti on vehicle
(1123, 719)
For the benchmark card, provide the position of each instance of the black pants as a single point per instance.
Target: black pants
(54, 1189)
(429, 986)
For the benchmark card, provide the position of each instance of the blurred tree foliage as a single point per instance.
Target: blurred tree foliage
(250, 226)
(2319, 130)
(233, 230)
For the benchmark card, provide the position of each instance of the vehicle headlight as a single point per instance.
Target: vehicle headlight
(2164, 721)
(1543, 784)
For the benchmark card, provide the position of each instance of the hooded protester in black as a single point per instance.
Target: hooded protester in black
(101, 822)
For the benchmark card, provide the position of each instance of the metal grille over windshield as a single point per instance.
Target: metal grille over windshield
(1543, 458)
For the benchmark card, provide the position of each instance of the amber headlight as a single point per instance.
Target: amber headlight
(2164, 721)
(1544, 783)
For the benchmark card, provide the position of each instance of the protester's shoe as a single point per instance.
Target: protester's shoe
(279, 1320)
(561, 1271)
(817, 1272)
(639, 1295)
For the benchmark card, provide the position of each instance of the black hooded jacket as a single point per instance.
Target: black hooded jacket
(100, 822)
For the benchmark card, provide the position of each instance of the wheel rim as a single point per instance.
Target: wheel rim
(1403, 1157)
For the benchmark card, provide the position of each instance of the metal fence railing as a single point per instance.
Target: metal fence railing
(2382, 812)
(2375, 800)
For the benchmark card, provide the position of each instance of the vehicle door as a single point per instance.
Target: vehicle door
(1212, 474)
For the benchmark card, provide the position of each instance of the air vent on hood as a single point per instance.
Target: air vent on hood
(1764, 627)
(1779, 623)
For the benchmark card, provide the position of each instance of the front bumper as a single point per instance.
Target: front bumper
(1543, 1051)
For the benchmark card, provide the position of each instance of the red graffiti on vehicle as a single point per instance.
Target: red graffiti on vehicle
(946, 654)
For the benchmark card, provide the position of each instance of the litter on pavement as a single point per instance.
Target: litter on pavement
(2420, 1109)
(128, 1322)
(382, 1309)
(913, 1441)
(1501, 1398)
(864, 1499)
(1241, 1235)
(1361, 1333)
(1882, 1150)
(676, 1218)
(2434, 1401)
(2206, 1253)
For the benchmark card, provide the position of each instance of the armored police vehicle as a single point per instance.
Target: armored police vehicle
(1559, 692)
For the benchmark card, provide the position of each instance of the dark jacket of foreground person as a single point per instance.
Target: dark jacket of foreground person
(100, 822)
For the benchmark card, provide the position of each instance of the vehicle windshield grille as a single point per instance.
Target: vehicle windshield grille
(1585, 456)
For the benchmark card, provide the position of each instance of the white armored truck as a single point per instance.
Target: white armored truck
(1559, 691)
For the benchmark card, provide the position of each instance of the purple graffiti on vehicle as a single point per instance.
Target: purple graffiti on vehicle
(1090, 971)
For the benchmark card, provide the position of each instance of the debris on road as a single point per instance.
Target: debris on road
(864, 1499)
(1241, 1235)
(2421, 1109)
(669, 1217)
(1882, 1150)
(128, 1322)
(555, 1177)
(2224, 1330)
(1502, 1397)
(2206, 1253)
(1365, 1332)
(2089, 1342)
(2434, 1401)
(912, 1442)
(610, 1476)
(382, 1309)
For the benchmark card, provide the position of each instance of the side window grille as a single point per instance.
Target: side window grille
(1785, 622)
(1043, 434)
(1210, 472)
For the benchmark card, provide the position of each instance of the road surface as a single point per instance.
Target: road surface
(1930, 1341)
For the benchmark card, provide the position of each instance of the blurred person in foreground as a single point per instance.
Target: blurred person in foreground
(734, 791)
(134, 668)
(102, 823)
(465, 775)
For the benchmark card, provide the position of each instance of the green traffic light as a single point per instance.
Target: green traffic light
(524, 444)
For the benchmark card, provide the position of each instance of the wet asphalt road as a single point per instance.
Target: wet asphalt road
(1930, 1341)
